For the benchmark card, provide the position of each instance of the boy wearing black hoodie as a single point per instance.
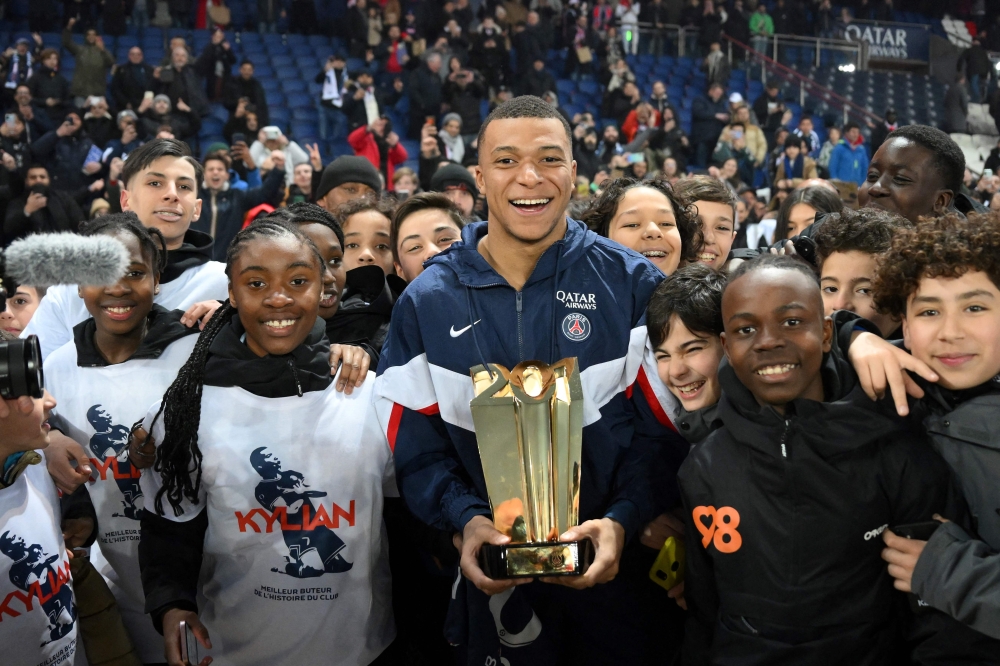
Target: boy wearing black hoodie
(785, 502)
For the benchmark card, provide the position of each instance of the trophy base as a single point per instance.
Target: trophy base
(534, 560)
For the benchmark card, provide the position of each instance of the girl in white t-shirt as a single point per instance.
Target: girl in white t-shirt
(266, 532)
(120, 361)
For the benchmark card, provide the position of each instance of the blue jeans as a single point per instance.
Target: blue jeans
(332, 123)
(975, 90)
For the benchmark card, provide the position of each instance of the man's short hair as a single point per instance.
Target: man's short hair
(417, 203)
(149, 152)
(948, 158)
(525, 106)
(851, 125)
(694, 294)
(704, 188)
(868, 230)
(948, 246)
(219, 155)
(793, 140)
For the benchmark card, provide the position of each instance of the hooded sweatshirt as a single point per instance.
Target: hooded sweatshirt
(98, 403)
(784, 517)
(586, 298)
(293, 478)
(190, 277)
(365, 309)
(36, 592)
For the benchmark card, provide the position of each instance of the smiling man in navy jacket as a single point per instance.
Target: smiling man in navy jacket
(531, 284)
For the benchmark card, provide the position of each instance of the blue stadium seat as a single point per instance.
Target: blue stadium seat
(281, 61)
(287, 73)
(305, 114)
(297, 100)
(293, 85)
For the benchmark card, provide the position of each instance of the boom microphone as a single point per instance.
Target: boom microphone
(42, 260)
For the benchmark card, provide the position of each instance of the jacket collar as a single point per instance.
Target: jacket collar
(231, 363)
(195, 251)
(164, 328)
(474, 271)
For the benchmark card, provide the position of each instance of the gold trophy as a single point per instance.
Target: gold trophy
(529, 428)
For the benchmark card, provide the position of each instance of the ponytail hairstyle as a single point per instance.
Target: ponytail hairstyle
(150, 239)
(178, 457)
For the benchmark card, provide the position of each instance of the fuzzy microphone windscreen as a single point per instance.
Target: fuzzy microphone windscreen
(43, 260)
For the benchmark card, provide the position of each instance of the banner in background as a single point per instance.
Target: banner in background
(891, 41)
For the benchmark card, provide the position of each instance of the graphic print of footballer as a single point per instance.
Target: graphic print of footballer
(31, 566)
(111, 441)
(312, 552)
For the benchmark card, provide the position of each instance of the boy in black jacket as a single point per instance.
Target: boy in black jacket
(785, 502)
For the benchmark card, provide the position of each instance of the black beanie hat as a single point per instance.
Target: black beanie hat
(348, 169)
(454, 177)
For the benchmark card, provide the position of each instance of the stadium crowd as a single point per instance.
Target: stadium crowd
(787, 329)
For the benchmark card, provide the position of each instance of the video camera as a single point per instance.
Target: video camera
(20, 363)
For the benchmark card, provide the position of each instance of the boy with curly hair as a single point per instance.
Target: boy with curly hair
(848, 246)
(943, 279)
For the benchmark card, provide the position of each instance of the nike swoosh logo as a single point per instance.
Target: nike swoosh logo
(459, 332)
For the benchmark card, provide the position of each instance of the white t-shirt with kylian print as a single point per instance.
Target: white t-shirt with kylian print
(295, 565)
(38, 618)
(97, 407)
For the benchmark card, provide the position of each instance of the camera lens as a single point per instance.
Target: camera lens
(21, 368)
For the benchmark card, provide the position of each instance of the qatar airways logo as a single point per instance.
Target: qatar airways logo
(572, 299)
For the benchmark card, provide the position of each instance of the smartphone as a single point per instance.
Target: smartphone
(918, 531)
(633, 158)
(189, 644)
(148, 94)
(10, 119)
(239, 137)
(987, 173)
(272, 132)
(737, 133)
(429, 120)
(668, 569)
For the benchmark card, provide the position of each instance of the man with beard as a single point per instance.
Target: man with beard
(588, 163)
(132, 80)
(40, 209)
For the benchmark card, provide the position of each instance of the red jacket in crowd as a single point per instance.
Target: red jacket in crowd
(364, 145)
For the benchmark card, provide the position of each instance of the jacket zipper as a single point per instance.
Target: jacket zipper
(520, 338)
(784, 436)
(295, 375)
(215, 213)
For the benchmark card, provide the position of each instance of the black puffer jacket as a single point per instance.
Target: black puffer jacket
(784, 516)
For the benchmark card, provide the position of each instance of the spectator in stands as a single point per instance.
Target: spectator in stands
(769, 109)
(733, 145)
(377, 143)
(425, 92)
(823, 161)
(992, 161)
(849, 160)
(64, 153)
(762, 28)
(618, 103)
(658, 98)
(711, 26)
(450, 141)
(691, 20)
(884, 128)
(709, 115)
(669, 141)
(215, 64)
(332, 115)
(458, 185)
(882, 11)
(588, 162)
(810, 139)
(627, 15)
(176, 42)
(301, 188)
(755, 139)
(802, 206)
(15, 143)
(584, 45)
(33, 112)
(640, 124)
(98, 123)
(363, 103)
(92, 63)
(270, 139)
(975, 61)
(463, 91)
(42, 208)
(49, 86)
(602, 16)
(247, 89)
(610, 144)
(17, 64)
(956, 107)
(657, 15)
(796, 165)
(394, 52)
(846, 18)
(179, 81)
(180, 13)
(527, 44)
(716, 65)
(347, 178)
(537, 81)
(405, 183)
(183, 122)
(269, 11)
(243, 121)
(223, 207)
(132, 81)
(491, 61)
(127, 139)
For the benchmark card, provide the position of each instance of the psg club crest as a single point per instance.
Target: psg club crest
(576, 327)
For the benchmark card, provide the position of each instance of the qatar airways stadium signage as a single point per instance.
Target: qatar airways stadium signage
(891, 41)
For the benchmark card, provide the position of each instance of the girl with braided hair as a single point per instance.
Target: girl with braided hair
(120, 360)
(282, 480)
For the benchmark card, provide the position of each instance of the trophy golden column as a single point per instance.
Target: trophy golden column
(529, 428)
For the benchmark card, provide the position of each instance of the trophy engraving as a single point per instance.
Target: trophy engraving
(529, 428)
